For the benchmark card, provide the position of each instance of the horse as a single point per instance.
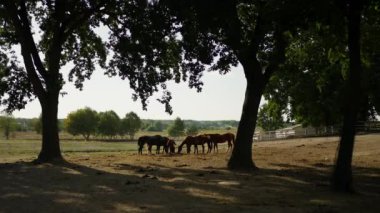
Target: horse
(170, 146)
(188, 145)
(218, 138)
(156, 140)
(207, 139)
(194, 140)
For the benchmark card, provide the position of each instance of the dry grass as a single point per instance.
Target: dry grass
(293, 177)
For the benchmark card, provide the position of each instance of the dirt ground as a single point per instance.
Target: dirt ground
(293, 177)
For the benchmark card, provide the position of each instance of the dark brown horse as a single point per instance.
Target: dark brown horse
(194, 140)
(170, 146)
(218, 138)
(156, 140)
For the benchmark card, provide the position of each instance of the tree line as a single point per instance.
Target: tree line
(89, 123)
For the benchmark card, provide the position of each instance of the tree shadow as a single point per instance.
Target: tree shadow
(69, 187)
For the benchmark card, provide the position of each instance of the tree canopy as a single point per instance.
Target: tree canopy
(130, 124)
(52, 34)
(177, 128)
(270, 117)
(8, 124)
(82, 122)
(109, 124)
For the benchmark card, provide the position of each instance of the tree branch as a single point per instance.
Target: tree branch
(22, 35)
(33, 49)
(76, 20)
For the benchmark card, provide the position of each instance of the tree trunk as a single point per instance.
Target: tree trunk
(342, 175)
(241, 158)
(50, 139)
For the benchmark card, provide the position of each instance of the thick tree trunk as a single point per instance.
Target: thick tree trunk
(342, 175)
(50, 139)
(241, 158)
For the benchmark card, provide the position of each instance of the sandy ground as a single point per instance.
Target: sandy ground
(293, 177)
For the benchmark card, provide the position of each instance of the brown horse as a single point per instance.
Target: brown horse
(218, 138)
(156, 140)
(194, 140)
(170, 146)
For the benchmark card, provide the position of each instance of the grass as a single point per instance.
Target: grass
(28, 144)
(10, 149)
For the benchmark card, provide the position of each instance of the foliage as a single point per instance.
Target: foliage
(155, 126)
(82, 122)
(177, 128)
(192, 130)
(310, 85)
(130, 124)
(109, 124)
(7, 124)
(270, 117)
(143, 50)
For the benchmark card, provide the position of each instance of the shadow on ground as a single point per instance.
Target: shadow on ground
(155, 188)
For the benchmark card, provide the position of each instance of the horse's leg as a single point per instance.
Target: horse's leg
(150, 148)
(229, 145)
(158, 149)
(166, 149)
(203, 148)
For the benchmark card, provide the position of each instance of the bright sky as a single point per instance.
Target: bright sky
(221, 99)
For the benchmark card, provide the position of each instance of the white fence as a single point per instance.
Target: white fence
(361, 127)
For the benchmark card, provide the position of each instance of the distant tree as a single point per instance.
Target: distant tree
(157, 126)
(37, 124)
(192, 130)
(270, 117)
(109, 124)
(7, 124)
(130, 124)
(177, 128)
(82, 122)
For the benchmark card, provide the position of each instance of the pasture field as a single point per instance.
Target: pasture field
(111, 177)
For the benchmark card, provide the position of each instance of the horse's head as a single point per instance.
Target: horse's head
(179, 149)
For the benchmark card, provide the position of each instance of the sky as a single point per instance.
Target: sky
(221, 98)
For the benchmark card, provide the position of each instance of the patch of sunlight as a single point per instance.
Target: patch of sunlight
(177, 179)
(229, 183)
(71, 171)
(124, 207)
(289, 179)
(105, 188)
(320, 202)
(68, 200)
(14, 195)
(209, 194)
(70, 194)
